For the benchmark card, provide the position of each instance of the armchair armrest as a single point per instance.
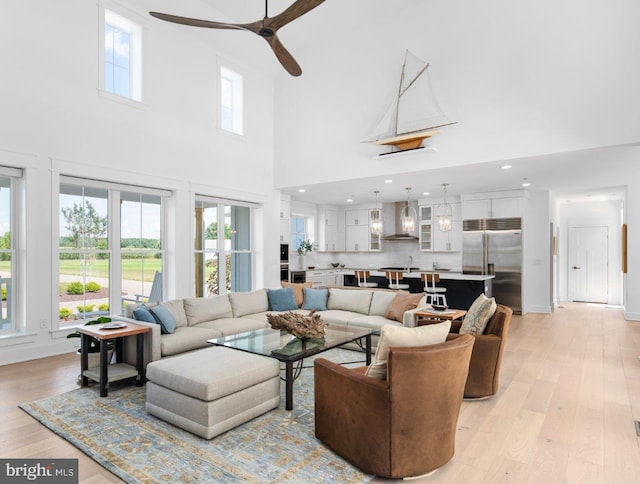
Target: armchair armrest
(352, 413)
(409, 316)
(152, 348)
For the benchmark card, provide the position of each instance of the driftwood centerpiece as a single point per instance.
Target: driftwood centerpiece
(311, 326)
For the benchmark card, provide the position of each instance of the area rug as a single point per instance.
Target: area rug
(116, 432)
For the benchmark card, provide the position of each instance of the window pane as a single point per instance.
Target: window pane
(6, 287)
(240, 224)
(121, 48)
(83, 290)
(240, 274)
(139, 283)
(140, 243)
(83, 217)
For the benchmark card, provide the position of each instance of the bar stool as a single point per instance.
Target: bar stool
(435, 295)
(394, 278)
(362, 277)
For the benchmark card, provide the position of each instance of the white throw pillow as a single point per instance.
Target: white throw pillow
(356, 300)
(399, 336)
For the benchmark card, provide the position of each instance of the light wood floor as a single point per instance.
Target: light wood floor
(569, 395)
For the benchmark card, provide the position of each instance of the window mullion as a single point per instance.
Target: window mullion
(115, 264)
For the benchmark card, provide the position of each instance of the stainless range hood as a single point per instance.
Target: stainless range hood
(398, 233)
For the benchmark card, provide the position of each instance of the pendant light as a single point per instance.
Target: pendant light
(408, 216)
(376, 218)
(444, 211)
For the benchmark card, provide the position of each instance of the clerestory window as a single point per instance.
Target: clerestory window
(231, 101)
(122, 56)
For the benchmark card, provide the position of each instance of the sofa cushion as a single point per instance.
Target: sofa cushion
(350, 300)
(164, 318)
(478, 315)
(380, 301)
(403, 301)
(371, 322)
(142, 313)
(315, 299)
(176, 307)
(200, 309)
(186, 339)
(298, 290)
(338, 316)
(248, 302)
(399, 336)
(281, 299)
(228, 326)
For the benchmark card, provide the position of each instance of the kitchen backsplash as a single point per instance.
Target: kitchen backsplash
(393, 254)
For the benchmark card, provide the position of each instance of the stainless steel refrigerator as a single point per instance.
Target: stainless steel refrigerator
(494, 246)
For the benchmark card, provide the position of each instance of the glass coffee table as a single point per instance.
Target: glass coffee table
(289, 349)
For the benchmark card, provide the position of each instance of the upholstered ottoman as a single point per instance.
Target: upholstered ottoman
(212, 390)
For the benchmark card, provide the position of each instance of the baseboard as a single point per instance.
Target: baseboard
(20, 353)
(539, 309)
(631, 316)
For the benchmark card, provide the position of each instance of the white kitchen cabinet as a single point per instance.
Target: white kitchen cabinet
(327, 229)
(285, 231)
(357, 238)
(285, 221)
(357, 217)
(492, 208)
(324, 278)
(432, 239)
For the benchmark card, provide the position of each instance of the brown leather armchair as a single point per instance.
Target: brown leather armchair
(404, 426)
(486, 357)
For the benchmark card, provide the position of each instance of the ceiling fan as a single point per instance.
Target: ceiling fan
(265, 28)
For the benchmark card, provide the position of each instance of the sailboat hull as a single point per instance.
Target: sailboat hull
(409, 141)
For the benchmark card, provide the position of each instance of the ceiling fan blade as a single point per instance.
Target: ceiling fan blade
(194, 22)
(283, 55)
(297, 9)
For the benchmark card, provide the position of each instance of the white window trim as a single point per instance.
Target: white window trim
(121, 18)
(115, 270)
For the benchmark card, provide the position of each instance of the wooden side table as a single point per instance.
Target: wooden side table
(431, 317)
(119, 370)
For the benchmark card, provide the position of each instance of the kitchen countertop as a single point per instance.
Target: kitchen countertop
(444, 275)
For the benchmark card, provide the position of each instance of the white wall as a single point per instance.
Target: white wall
(536, 259)
(518, 77)
(54, 122)
(593, 214)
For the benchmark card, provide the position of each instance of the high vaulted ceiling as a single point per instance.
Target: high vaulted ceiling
(540, 68)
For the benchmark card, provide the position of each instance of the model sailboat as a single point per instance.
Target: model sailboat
(415, 114)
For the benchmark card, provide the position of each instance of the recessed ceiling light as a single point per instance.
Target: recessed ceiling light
(426, 193)
(526, 184)
(388, 181)
(301, 190)
(505, 167)
(349, 200)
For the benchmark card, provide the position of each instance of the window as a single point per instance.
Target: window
(231, 96)
(301, 230)
(8, 243)
(109, 246)
(223, 246)
(122, 53)
(140, 245)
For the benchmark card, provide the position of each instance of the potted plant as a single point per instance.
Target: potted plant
(304, 248)
(94, 344)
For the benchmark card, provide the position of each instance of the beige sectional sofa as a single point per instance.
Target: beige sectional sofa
(201, 319)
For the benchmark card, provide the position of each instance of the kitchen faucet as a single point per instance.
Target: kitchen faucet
(410, 264)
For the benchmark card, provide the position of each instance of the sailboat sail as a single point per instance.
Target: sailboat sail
(415, 111)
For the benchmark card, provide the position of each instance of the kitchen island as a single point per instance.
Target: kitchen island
(462, 289)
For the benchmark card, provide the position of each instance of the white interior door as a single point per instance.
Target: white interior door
(588, 262)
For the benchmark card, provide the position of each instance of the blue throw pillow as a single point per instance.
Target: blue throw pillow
(315, 299)
(164, 318)
(142, 313)
(282, 299)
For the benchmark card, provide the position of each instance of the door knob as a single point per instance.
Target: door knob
(576, 267)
